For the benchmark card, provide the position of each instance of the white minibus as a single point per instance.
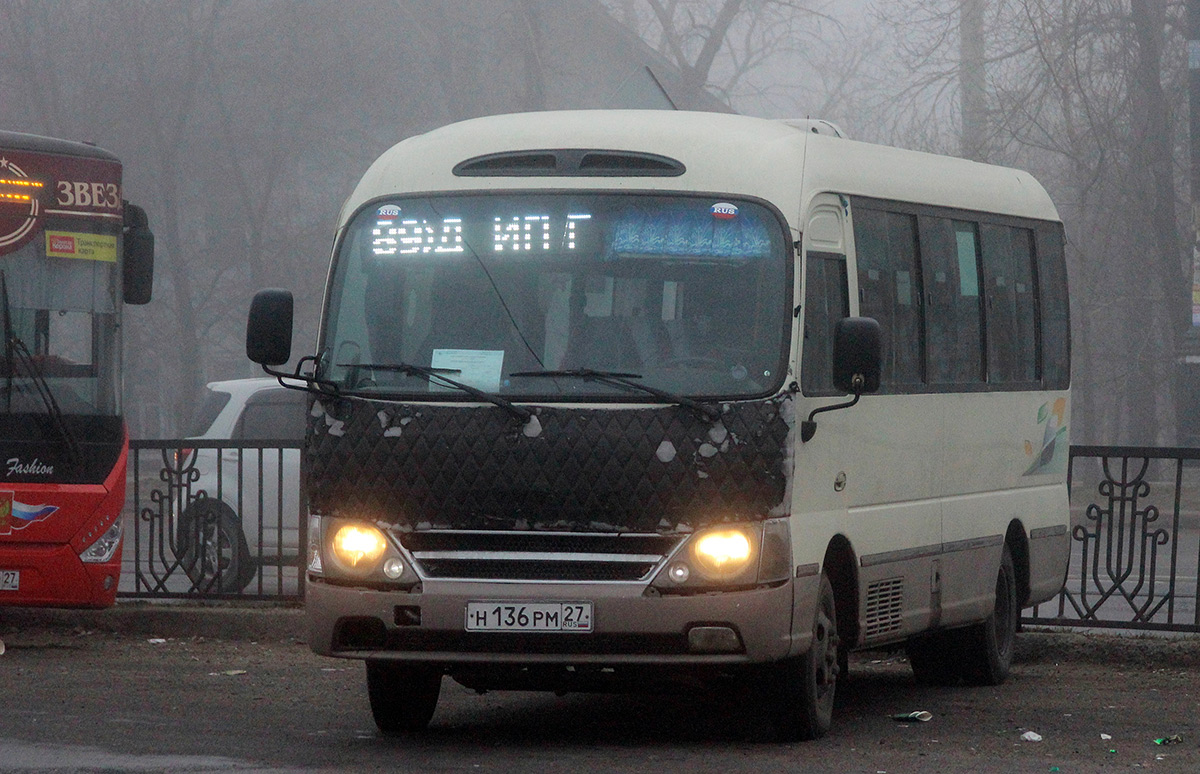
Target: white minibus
(603, 399)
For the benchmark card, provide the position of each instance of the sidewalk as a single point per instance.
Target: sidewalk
(238, 621)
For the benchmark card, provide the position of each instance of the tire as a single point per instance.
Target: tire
(403, 696)
(212, 548)
(935, 657)
(978, 655)
(800, 691)
(988, 647)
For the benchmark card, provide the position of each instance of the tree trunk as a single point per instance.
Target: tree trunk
(973, 80)
(1170, 307)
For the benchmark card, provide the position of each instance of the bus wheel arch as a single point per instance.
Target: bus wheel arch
(840, 566)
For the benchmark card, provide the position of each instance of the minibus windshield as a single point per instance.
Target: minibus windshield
(687, 295)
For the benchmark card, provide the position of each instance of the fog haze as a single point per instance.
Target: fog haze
(243, 124)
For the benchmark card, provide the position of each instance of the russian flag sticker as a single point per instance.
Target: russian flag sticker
(724, 211)
(389, 212)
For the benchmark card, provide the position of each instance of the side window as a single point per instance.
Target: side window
(1055, 319)
(950, 256)
(826, 300)
(1012, 355)
(889, 289)
(272, 415)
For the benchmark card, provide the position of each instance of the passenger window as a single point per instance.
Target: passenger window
(273, 415)
(950, 256)
(1011, 314)
(1055, 320)
(826, 300)
(889, 290)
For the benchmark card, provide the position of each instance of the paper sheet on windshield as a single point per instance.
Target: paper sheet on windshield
(480, 368)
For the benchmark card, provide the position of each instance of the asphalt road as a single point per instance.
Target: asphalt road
(152, 688)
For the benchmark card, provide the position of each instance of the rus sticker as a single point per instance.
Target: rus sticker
(388, 212)
(724, 211)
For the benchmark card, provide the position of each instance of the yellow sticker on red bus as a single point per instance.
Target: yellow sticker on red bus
(88, 247)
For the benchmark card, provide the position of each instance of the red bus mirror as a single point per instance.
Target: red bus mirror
(137, 273)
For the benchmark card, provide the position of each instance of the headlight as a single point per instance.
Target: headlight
(105, 547)
(729, 556)
(356, 550)
(722, 554)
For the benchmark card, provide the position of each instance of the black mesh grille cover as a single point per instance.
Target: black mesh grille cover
(593, 470)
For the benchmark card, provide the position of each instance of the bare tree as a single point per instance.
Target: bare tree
(722, 44)
(1079, 91)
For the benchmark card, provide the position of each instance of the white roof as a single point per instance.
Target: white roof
(730, 154)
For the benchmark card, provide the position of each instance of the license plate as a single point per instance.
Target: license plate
(10, 580)
(508, 616)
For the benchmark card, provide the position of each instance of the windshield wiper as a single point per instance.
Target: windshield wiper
(15, 350)
(621, 379)
(438, 376)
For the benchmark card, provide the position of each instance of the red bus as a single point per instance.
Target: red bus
(72, 253)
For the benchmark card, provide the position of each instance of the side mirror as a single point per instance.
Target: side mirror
(137, 276)
(857, 355)
(269, 327)
(857, 364)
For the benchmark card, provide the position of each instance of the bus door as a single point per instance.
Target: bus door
(876, 464)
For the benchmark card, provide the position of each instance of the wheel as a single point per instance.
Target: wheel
(980, 654)
(212, 548)
(988, 646)
(403, 696)
(935, 657)
(800, 691)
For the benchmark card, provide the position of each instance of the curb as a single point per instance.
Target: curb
(238, 621)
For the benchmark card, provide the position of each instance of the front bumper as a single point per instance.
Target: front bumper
(54, 576)
(629, 626)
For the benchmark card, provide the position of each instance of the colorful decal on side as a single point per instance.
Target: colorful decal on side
(388, 212)
(1050, 456)
(15, 515)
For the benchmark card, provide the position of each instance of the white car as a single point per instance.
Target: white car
(229, 526)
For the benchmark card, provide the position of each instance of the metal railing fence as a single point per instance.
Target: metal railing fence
(224, 520)
(213, 520)
(1135, 541)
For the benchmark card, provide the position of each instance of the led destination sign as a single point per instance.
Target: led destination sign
(605, 227)
(395, 234)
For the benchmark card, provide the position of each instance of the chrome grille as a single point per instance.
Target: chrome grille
(542, 556)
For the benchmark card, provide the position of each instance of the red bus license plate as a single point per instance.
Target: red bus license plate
(508, 616)
(10, 580)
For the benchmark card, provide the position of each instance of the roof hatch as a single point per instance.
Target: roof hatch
(570, 163)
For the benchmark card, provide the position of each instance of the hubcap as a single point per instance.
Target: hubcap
(825, 652)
